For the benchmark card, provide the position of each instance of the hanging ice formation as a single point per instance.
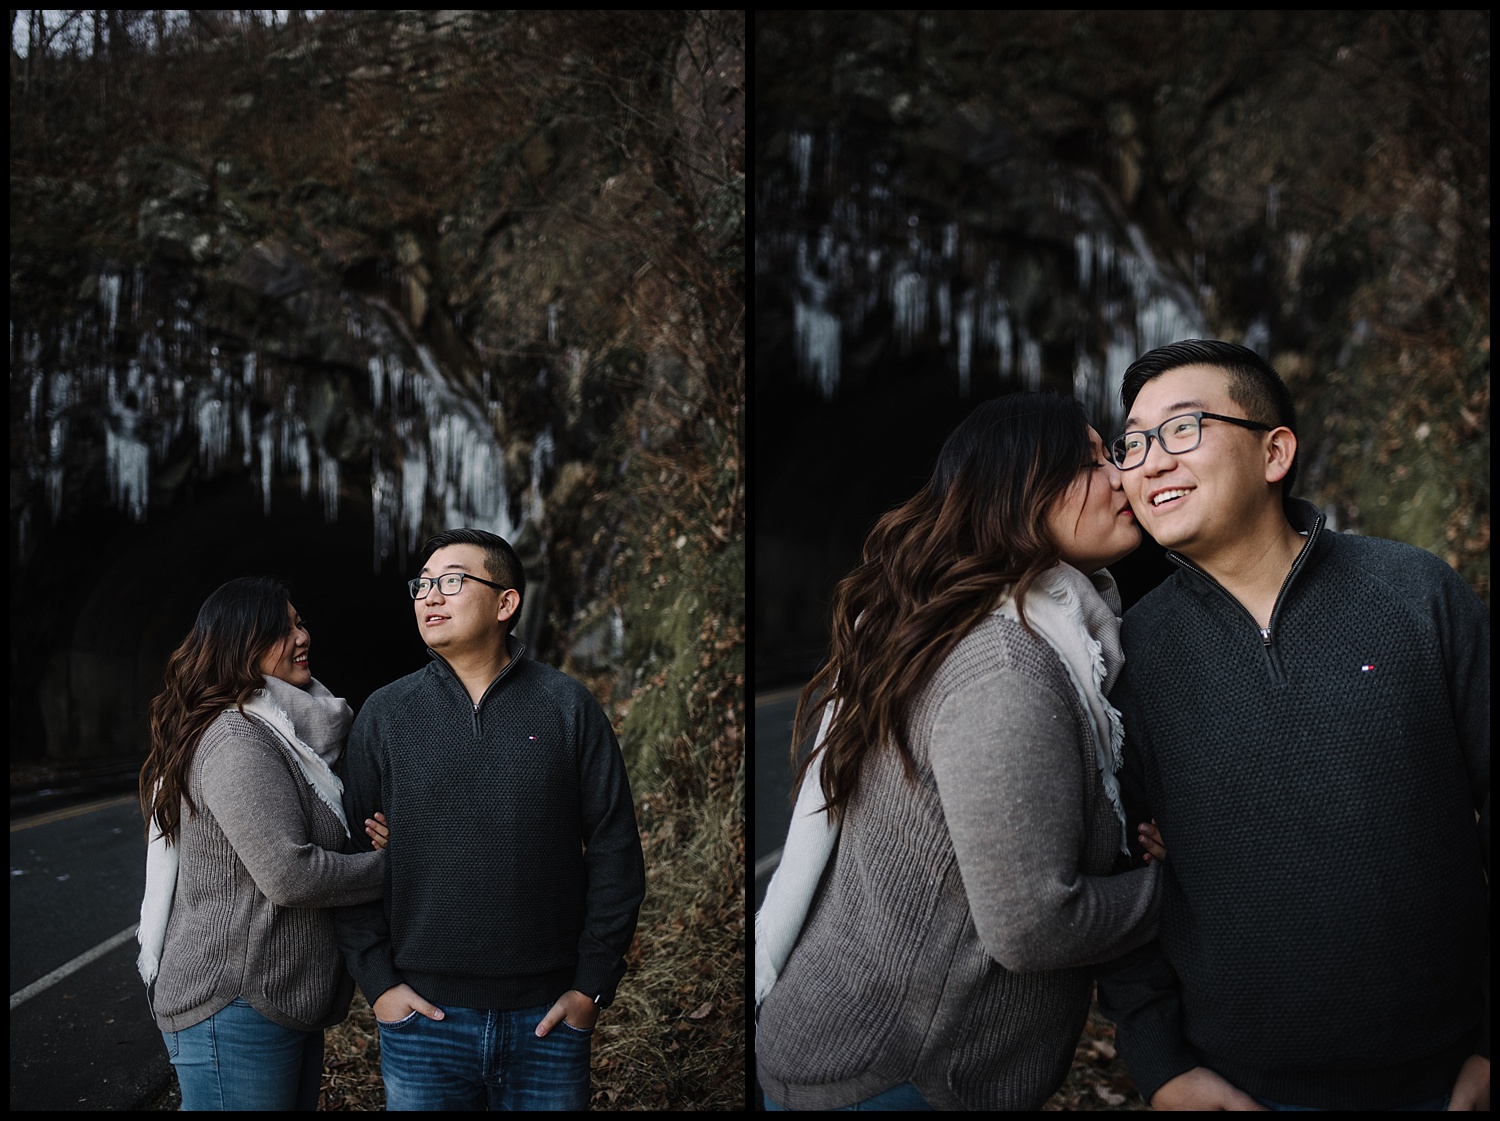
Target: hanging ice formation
(135, 382)
(859, 264)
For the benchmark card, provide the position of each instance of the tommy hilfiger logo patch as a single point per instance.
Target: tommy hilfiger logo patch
(1368, 667)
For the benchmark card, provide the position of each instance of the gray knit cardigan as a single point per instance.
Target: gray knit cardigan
(259, 871)
(950, 940)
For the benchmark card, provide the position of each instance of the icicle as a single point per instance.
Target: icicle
(377, 381)
(54, 486)
(109, 298)
(127, 471)
(62, 392)
(413, 489)
(1005, 344)
(1121, 352)
(382, 502)
(802, 160)
(152, 349)
(541, 462)
(328, 486)
(396, 372)
(36, 381)
(213, 432)
(267, 442)
(1161, 320)
(909, 297)
(1083, 250)
(1031, 364)
(965, 341)
(295, 450)
(423, 394)
(818, 346)
(57, 442)
(466, 467)
(245, 441)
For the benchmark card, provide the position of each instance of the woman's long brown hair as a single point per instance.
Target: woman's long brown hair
(932, 568)
(216, 666)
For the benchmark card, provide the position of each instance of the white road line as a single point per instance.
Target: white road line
(71, 967)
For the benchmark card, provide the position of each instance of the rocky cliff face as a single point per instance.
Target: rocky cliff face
(295, 302)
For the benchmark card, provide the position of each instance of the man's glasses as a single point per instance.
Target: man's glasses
(1176, 434)
(449, 583)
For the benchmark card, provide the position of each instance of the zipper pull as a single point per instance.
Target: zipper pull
(1265, 636)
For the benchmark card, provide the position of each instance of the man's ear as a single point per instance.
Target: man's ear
(1281, 451)
(510, 603)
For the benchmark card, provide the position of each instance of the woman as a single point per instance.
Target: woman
(245, 818)
(946, 881)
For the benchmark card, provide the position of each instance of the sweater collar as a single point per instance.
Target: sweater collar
(1305, 518)
(513, 645)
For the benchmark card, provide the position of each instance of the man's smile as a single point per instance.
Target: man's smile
(1167, 495)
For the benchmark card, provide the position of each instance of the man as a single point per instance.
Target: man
(515, 872)
(1307, 719)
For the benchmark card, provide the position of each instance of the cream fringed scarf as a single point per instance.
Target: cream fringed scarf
(313, 723)
(1079, 617)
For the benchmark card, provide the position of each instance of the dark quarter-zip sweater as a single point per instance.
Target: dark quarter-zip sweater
(514, 868)
(1322, 789)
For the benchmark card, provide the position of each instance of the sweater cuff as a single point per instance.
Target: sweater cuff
(373, 980)
(1154, 1060)
(598, 987)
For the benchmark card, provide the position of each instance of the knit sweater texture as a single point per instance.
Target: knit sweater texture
(260, 869)
(515, 870)
(948, 945)
(1323, 795)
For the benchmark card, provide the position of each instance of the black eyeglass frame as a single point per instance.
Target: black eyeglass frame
(411, 585)
(1155, 433)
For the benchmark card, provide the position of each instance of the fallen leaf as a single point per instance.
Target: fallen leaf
(703, 1010)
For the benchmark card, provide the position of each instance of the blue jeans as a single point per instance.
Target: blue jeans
(238, 1059)
(1434, 1105)
(474, 1058)
(904, 1096)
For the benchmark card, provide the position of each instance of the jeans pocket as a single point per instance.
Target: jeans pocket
(170, 1039)
(581, 1033)
(405, 1021)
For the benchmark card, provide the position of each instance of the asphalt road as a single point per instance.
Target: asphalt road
(81, 1033)
(773, 780)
